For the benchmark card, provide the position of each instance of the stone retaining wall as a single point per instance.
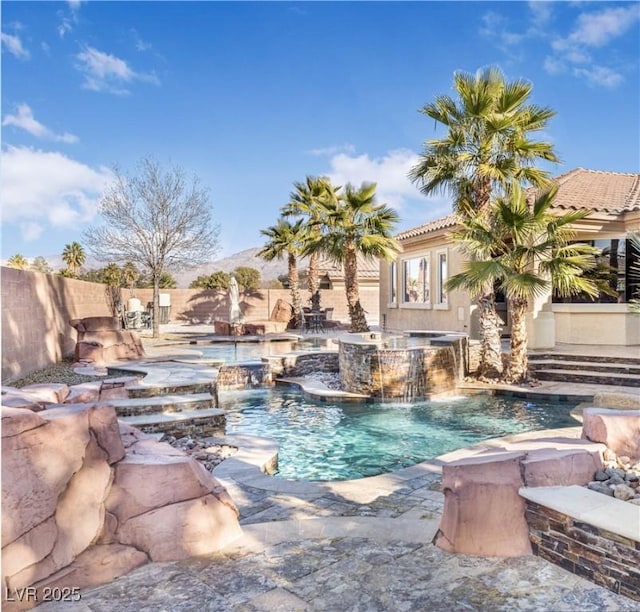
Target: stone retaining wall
(605, 558)
(303, 364)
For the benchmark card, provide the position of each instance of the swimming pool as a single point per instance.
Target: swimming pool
(232, 352)
(325, 441)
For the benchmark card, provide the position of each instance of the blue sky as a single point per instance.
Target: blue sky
(254, 96)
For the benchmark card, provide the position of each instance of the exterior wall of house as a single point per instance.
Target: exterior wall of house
(455, 313)
(547, 323)
(596, 324)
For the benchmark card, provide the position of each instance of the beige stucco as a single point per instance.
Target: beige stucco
(454, 315)
(547, 323)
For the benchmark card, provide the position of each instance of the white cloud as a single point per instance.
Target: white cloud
(13, 44)
(25, 120)
(389, 172)
(42, 190)
(598, 29)
(600, 75)
(105, 72)
(332, 150)
(573, 52)
(141, 45)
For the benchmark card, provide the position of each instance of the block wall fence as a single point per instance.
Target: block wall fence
(37, 308)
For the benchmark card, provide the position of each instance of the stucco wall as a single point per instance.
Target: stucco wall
(36, 309)
(596, 324)
(455, 315)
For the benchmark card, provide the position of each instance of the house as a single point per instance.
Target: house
(412, 294)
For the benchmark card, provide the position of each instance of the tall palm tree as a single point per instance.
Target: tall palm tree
(354, 224)
(287, 239)
(306, 200)
(74, 257)
(18, 262)
(487, 146)
(525, 250)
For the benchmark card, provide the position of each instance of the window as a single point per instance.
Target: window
(416, 281)
(617, 257)
(393, 283)
(442, 277)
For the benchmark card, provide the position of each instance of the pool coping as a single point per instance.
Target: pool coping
(257, 457)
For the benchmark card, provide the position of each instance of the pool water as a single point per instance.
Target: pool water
(232, 352)
(325, 441)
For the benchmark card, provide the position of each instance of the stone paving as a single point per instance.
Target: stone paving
(361, 545)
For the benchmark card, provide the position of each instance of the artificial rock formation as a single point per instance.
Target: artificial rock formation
(101, 340)
(483, 512)
(85, 500)
(618, 429)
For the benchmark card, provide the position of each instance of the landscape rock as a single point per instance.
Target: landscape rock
(84, 393)
(146, 482)
(36, 468)
(549, 467)
(47, 393)
(97, 565)
(483, 513)
(193, 527)
(18, 420)
(623, 492)
(103, 422)
(618, 429)
(600, 487)
(282, 311)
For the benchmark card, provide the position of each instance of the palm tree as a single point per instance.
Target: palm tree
(130, 275)
(524, 249)
(74, 257)
(487, 147)
(18, 262)
(354, 224)
(287, 239)
(306, 201)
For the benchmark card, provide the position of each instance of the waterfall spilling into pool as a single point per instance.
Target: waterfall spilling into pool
(402, 368)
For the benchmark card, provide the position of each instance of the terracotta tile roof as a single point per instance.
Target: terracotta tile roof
(367, 268)
(431, 226)
(599, 191)
(596, 190)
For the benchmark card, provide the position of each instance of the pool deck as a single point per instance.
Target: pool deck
(341, 546)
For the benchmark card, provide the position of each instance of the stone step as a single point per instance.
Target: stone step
(155, 390)
(203, 423)
(589, 376)
(607, 368)
(600, 359)
(161, 404)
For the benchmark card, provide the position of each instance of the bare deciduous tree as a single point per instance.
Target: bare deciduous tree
(158, 219)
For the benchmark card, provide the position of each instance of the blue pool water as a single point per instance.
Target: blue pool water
(232, 352)
(325, 441)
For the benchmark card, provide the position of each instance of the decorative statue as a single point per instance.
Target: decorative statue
(235, 314)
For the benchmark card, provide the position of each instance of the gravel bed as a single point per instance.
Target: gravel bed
(61, 372)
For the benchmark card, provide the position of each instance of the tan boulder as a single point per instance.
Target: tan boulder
(146, 482)
(96, 565)
(29, 548)
(18, 420)
(85, 393)
(483, 513)
(47, 393)
(37, 465)
(79, 517)
(103, 422)
(15, 398)
(550, 468)
(151, 446)
(282, 311)
(130, 435)
(194, 527)
(618, 429)
(92, 324)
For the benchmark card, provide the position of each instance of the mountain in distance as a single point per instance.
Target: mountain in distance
(269, 270)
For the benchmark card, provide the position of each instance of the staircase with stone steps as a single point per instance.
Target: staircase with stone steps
(591, 369)
(134, 407)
